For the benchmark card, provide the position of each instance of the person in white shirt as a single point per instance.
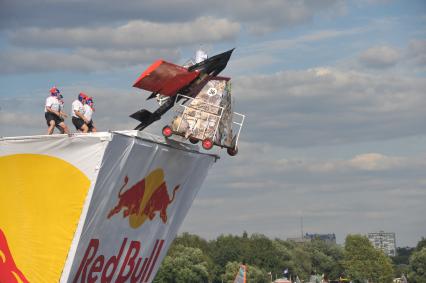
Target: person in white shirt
(80, 122)
(88, 113)
(53, 114)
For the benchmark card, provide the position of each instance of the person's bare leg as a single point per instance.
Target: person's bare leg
(94, 130)
(84, 128)
(51, 127)
(64, 128)
(61, 130)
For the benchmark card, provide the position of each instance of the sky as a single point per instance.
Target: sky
(334, 94)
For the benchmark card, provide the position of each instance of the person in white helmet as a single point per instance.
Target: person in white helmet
(89, 108)
(53, 113)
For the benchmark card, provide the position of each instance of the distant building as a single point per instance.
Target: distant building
(384, 241)
(328, 238)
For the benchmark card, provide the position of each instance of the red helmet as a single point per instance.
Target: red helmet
(82, 96)
(89, 101)
(54, 91)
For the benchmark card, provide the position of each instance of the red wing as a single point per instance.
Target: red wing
(165, 78)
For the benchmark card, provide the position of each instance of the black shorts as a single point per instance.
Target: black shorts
(78, 122)
(90, 125)
(50, 116)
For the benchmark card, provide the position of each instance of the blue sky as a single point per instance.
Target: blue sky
(333, 90)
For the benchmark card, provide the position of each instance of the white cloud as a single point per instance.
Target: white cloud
(416, 52)
(380, 57)
(370, 2)
(331, 106)
(134, 34)
(366, 201)
(20, 123)
(17, 119)
(374, 161)
(103, 48)
(79, 60)
(257, 16)
(320, 106)
(363, 162)
(278, 45)
(275, 162)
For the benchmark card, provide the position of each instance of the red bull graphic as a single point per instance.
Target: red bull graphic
(134, 268)
(144, 199)
(130, 200)
(9, 272)
(159, 201)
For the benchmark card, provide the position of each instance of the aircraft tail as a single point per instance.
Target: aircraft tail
(145, 117)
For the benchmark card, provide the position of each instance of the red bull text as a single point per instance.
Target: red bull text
(133, 268)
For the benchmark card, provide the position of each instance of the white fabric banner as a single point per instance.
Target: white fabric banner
(82, 151)
(45, 182)
(142, 194)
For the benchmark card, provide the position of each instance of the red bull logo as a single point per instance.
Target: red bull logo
(144, 199)
(9, 272)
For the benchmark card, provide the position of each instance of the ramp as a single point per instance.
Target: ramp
(100, 207)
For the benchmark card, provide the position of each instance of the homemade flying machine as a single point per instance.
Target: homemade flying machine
(204, 100)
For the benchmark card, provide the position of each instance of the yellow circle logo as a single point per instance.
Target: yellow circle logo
(41, 202)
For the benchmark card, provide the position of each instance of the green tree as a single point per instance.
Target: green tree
(284, 253)
(363, 262)
(302, 261)
(227, 248)
(185, 265)
(402, 255)
(261, 252)
(326, 258)
(417, 273)
(193, 241)
(401, 260)
(421, 244)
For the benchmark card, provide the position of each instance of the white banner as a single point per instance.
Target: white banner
(44, 184)
(142, 194)
(82, 151)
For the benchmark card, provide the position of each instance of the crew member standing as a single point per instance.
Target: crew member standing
(52, 113)
(61, 112)
(80, 122)
(89, 108)
(61, 106)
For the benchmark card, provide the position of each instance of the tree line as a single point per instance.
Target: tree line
(194, 259)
